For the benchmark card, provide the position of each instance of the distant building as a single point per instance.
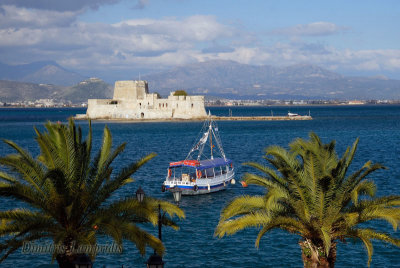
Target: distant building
(132, 100)
(356, 102)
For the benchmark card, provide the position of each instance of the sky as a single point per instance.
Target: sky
(121, 39)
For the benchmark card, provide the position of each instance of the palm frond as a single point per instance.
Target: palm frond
(231, 226)
(242, 205)
(286, 223)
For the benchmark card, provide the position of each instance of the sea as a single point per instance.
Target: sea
(194, 244)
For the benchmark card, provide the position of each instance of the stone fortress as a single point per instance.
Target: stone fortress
(132, 100)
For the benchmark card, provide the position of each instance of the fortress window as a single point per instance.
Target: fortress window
(113, 102)
(163, 105)
(166, 105)
(192, 105)
(159, 105)
(140, 104)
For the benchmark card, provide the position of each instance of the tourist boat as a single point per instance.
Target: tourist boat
(292, 114)
(210, 171)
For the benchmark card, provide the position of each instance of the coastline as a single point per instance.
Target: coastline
(223, 106)
(219, 118)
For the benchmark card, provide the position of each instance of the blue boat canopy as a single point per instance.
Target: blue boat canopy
(217, 162)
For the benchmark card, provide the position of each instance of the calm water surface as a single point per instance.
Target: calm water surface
(194, 245)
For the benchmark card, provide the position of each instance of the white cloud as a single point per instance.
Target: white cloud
(377, 60)
(98, 43)
(69, 5)
(367, 66)
(312, 29)
(28, 35)
(13, 17)
(194, 28)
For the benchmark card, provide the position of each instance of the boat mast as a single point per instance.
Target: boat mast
(200, 144)
(210, 135)
(208, 132)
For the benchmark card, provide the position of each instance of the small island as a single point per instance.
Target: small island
(133, 102)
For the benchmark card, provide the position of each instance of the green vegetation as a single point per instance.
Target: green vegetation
(69, 195)
(180, 93)
(309, 193)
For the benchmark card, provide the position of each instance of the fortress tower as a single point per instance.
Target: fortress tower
(130, 90)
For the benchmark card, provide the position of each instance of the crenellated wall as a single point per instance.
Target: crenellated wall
(131, 100)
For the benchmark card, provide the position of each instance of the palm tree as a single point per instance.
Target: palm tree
(309, 193)
(69, 195)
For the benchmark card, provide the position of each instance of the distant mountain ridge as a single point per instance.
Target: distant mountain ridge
(93, 88)
(303, 81)
(41, 72)
(12, 91)
(218, 78)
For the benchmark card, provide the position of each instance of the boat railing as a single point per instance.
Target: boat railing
(179, 182)
(226, 175)
(188, 180)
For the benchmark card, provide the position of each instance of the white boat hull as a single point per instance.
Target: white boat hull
(201, 186)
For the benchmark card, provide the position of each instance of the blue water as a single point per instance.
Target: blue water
(194, 245)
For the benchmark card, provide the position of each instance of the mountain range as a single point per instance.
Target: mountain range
(231, 79)
(40, 72)
(219, 78)
(93, 88)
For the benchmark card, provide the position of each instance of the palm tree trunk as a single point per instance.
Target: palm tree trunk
(66, 259)
(312, 259)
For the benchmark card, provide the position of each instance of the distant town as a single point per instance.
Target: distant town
(49, 103)
(295, 102)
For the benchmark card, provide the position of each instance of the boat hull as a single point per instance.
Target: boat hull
(201, 186)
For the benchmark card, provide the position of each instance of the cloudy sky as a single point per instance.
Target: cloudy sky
(118, 39)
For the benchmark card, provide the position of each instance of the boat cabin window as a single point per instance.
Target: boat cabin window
(182, 173)
(209, 172)
(218, 171)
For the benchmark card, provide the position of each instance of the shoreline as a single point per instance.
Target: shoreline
(223, 106)
(219, 118)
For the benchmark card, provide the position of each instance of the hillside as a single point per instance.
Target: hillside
(11, 91)
(93, 88)
(42, 72)
(213, 78)
(234, 80)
